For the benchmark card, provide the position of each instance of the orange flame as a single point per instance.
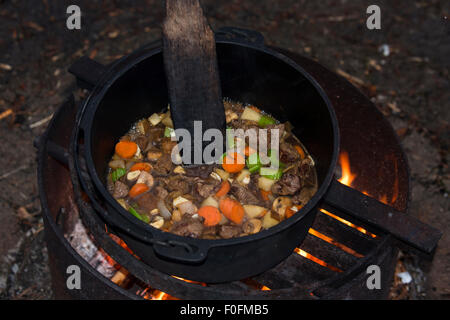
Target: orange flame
(360, 229)
(334, 242)
(347, 176)
(316, 260)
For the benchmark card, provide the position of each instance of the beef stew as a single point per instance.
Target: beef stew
(239, 196)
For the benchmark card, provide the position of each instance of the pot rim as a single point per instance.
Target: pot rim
(118, 69)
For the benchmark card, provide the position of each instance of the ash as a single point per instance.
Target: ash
(85, 247)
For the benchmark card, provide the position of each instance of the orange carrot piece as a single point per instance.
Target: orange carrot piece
(141, 166)
(232, 210)
(137, 189)
(290, 212)
(224, 188)
(126, 149)
(233, 163)
(237, 214)
(265, 194)
(211, 214)
(300, 151)
(248, 151)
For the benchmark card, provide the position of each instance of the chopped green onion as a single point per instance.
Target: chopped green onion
(271, 173)
(265, 121)
(253, 162)
(137, 215)
(169, 132)
(116, 174)
(230, 139)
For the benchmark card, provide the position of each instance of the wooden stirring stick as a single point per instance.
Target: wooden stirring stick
(191, 68)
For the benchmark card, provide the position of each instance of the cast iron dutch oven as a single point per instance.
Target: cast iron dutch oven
(134, 87)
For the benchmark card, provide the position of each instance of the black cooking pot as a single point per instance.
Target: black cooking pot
(134, 87)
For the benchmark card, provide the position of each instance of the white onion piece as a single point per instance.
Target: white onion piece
(163, 211)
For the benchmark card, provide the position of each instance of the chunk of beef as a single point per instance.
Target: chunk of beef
(263, 139)
(141, 141)
(289, 184)
(160, 192)
(177, 183)
(288, 153)
(199, 171)
(155, 135)
(167, 145)
(120, 190)
(147, 202)
(210, 232)
(244, 194)
(163, 165)
(188, 227)
(307, 172)
(230, 231)
(302, 197)
(206, 188)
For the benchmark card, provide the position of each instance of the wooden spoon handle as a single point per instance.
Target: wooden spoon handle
(191, 67)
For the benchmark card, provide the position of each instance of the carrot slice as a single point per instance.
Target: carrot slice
(232, 209)
(248, 151)
(265, 194)
(233, 162)
(137, 189)
(126, 149)
(290, 212)
(300, 151)
(211, 214)
(141, 166)
(224, 188)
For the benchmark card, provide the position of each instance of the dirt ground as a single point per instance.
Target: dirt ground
(403, 68)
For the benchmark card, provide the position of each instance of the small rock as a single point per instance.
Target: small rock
(385, 50)
(405, 277)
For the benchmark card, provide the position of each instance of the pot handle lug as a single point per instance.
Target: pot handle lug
(88, 72)
(180, 251)
(244, 36)
(407, 230)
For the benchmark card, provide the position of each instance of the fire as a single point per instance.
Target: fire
(335, 243)
(255, 284)
(316, 260)
(190, 281)
(347, 176)
(360, 229)
(159, 295)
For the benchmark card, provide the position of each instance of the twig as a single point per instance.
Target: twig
(6, 175)
(351, 78)
(41, 122)
(24, 292)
